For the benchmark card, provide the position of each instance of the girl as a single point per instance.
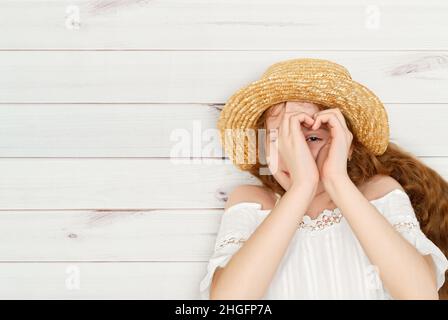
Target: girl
(343, 214)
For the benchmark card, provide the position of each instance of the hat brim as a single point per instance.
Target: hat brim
(359, 104)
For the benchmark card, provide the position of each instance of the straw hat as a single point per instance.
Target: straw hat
(313, 80)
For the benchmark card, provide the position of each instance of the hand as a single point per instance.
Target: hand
(332, 158)
(294, 151)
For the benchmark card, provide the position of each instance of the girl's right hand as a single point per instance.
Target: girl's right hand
(294, 151)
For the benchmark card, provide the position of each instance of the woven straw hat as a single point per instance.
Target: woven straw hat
(312, 80)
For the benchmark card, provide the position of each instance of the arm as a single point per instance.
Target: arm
(405, 272)
(250, 271)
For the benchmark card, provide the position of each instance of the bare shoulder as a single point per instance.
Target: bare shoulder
(251, 193)
(380, 185)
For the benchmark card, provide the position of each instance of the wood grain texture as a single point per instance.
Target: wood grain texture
(202, 76)
(224, 25)
(169, 130)
(119, 280)
(124, 183)
(108, 235)
(137, 183)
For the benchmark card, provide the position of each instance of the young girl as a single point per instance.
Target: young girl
(342, 214)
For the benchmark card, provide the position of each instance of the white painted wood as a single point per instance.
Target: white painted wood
(138, 183)
(124, 183)
(141, 235)
(100, 96)
(112, 130)
(224, 24)
(155, 130)
(202, 76)
(153, 280)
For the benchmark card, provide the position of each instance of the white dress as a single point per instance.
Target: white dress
(324, 259)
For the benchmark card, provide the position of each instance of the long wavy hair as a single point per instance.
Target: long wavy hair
(427, 190)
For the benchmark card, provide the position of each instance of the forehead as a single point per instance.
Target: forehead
(275, 112)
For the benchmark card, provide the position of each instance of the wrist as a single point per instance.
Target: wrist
(304, 189)
(335, 183)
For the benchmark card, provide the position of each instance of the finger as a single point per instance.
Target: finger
(283, 128)
(298, 118)
(287, 122)
(329, 117)
(296, 121)
(308, 120)
(338, 114)
(322, 155)
(333, 123)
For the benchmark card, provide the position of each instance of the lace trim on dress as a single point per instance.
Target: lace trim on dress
(231, 240)
(405, 226)
(404, 223)
(328, 218)
(325, 219)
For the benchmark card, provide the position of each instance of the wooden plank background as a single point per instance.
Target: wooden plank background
(96, 201)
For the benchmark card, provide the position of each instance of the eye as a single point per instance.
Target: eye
(314, 138)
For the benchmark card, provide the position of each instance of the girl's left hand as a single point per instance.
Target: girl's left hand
(332, 158)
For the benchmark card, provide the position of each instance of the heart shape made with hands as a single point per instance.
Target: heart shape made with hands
(327, 155)
(312, 128)
(323, 151)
